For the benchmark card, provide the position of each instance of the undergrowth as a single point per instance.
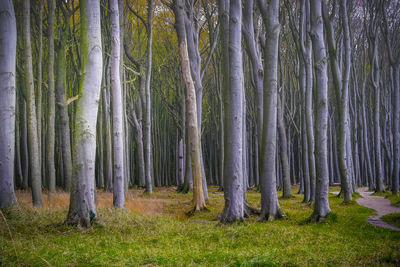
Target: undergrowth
(167, 236)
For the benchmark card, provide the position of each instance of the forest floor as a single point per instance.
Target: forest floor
(155, 230)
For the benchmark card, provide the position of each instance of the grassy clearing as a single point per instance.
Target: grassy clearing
(155, 230)
(393, 219)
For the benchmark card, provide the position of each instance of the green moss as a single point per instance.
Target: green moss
(393, 219)
(174, 239)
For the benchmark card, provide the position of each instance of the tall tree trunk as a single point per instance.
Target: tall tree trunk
(257, 67)
(50, 168)
(396, 132)
(287, 191)
(321, 208)
(147, 121)
(39, 83)
(375, 79)
(8, 46)
(342, 89)
(33, 138)
(270, 208)
(233, 113)
(82, 209)
(198, 195)
(118, 142)
(62, 104)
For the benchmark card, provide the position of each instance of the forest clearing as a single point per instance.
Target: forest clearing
(199, 133)
(163, 234)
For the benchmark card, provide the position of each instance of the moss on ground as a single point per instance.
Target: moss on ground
(170, 237)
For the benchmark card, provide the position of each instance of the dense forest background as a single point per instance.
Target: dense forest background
(268, 94)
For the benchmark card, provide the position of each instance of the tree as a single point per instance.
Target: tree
(147, 124)
(193, 133)
(51, 172)
(233, 94)
(341, 83)
(82, 208)
(118, 142)
(8, 45)
(33, 139)
(270, 209)
(62, 105)
(321, 208)
(392, 44)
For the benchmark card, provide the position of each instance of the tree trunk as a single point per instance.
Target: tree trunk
(82, 209)
(65, 145)
(321, 208)
(147, 120)
(51, 172)
(287, 191)
(198, 195)
(118, 141)
(33, 138)
(8, 46)
(233, 112)
(39, 83)
(270, 208)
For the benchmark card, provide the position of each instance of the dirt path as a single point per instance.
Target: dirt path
(380, 204)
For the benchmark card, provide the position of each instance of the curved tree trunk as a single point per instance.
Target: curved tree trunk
(8, 46)
(193, 134)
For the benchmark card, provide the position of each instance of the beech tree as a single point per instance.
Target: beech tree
(118, 143)
(82, 208)
(198, 195)
(270, 208)
(321, 208)
(233, 94)
(33, 139)
(8, 45)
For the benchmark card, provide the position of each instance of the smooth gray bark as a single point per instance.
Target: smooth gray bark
(8, 46)
(287, 192)
(82, 208)
(39, 82)
(62, 105)
(270, 209)
(341, 84)
(118, 136)
(50, 141)
(321, 208)
(147, 119)
(233, 114)
(33, 139)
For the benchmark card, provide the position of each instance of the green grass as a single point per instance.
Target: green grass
(393, 219)
(127, 238)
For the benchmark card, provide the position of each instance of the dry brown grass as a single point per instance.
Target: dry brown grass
(156, 204)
